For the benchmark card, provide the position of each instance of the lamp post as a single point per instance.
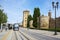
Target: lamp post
(55, 6)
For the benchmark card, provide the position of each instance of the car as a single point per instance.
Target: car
(15, 27)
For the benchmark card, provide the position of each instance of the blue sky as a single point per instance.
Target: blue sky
(15, 8)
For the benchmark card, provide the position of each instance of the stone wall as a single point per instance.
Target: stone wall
(44, 22)
(52, 22)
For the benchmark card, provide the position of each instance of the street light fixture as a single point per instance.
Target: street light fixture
(55, 6)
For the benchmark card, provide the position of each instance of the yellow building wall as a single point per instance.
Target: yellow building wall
(44, 22)
(25, 16)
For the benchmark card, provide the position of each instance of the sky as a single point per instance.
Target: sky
(14, 8)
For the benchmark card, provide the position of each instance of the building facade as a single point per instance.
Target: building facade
(25, 16)
(44, 22)
(49, 14)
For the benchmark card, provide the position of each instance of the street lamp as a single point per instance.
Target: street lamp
(55, 6)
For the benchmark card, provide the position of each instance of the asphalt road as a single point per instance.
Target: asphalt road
(24, 34)
(17, 35)
(37, 36)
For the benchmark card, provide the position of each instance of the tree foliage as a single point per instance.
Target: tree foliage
(28, 20)
(35, 15)
(3, 17)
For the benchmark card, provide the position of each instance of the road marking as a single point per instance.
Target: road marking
(24, 35)
(6, 35)
(16, 36)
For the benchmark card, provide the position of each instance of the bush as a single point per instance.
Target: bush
(52, 29)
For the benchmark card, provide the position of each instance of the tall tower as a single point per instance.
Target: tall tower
(25, 16)
(49, 14)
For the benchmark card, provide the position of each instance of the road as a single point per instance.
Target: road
(17, 35)
(37, 36)
(24, 34)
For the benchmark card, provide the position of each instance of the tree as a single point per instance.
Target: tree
(3, 17)
(28, 20)
(35, 15)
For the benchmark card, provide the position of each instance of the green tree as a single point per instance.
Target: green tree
(3, 17)
(28, 20)
(35, 15)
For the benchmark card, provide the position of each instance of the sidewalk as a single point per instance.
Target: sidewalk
(2, 30)
(47, 33)
(7, 35)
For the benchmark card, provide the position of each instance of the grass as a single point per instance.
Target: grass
(52, 29)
